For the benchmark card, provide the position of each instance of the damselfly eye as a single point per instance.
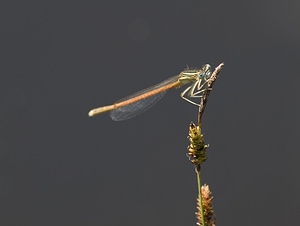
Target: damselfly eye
(205, 71)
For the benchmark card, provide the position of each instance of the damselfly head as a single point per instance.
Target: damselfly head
(205, 71)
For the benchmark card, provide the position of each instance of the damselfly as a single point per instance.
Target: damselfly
(141, 101)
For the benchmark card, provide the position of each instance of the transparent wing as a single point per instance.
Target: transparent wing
(137, 107)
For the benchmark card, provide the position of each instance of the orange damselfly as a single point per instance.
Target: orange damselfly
(141, 101)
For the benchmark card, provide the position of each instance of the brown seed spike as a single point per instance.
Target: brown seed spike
(209, 215)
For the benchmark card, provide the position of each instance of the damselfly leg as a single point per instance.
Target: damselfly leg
(195, 90)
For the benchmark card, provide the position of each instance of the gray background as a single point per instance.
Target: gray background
(61, 58)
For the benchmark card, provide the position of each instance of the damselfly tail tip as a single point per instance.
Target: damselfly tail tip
(91, 113)
(100, 110)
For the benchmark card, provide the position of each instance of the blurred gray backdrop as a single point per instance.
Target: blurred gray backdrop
(61, 58)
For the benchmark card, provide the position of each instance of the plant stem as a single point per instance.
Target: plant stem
(200, 196)
(210, 84)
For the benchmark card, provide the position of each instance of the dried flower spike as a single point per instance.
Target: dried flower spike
(209, 215)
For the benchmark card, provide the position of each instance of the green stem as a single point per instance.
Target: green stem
(200, 197)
